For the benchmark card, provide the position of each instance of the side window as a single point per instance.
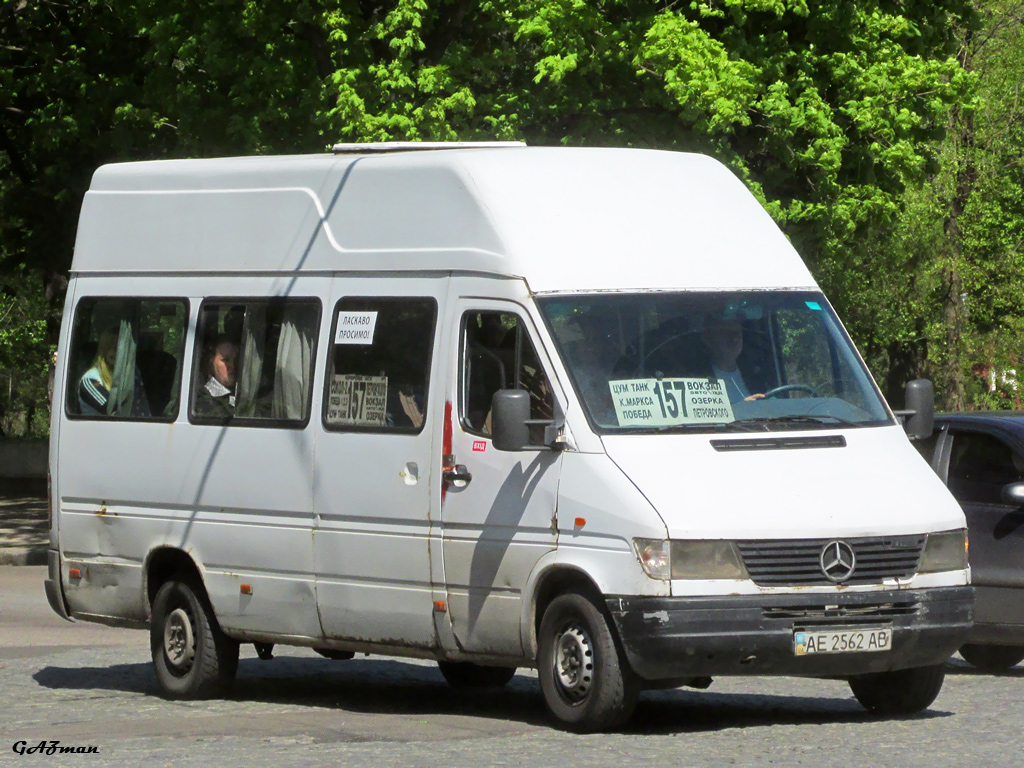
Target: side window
(497, 353)
(126, 359)
(254, 362)
(378, 373)
(979, 466)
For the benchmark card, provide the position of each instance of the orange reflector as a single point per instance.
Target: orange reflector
(580, 522)
(246, 589)
(440, 606)
(74, 573)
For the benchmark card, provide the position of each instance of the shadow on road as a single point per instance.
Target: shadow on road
(372, 686)
(958, 667)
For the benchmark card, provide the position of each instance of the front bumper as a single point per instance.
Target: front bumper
(679, 637)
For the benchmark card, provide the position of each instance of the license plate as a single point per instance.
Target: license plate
(807, 642)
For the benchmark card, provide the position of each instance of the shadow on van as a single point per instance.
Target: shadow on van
(387, 687)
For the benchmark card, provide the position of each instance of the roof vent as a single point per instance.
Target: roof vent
(377, 147)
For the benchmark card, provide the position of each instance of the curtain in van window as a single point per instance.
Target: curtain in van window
(294, 364)
(249, 377)
(127, 398)
(172, 405)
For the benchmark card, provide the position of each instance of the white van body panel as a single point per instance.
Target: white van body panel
(792, 493)
(614, 512)
(374, 497)
(495, 528)
(518, 212)
(208, 490)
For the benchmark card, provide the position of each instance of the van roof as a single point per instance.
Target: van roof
(561, 218)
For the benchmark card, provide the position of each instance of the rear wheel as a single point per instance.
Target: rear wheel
(992, 658)
(192, 657)
(903, 692)
(587, 683)
(461, 674)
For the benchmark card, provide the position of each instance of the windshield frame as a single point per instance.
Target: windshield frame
(841, 349)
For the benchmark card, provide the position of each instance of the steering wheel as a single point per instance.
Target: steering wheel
(792, 388)
(643, 363)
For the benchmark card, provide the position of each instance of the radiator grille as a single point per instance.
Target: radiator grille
(786, 562)
(842, 615)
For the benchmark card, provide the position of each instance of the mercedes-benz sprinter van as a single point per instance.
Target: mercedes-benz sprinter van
(583, 410)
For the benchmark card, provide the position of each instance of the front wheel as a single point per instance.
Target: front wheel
(461, 674)
(587, 683)
(192, 657)
(992, 658)
(903, 692)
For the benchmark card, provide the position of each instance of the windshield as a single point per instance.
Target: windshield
(711, 361)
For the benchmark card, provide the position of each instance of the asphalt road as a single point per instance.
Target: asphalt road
(86, 685)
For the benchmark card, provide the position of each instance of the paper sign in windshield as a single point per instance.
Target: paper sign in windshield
(355, 327)
(357, 401)
(666, 402)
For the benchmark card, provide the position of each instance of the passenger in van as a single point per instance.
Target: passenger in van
(217, 396)
(96, 384)
(723, 338)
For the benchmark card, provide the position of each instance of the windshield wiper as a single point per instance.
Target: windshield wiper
(799, 419)
(711, 426)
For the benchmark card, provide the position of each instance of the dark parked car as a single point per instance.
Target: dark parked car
(980, 457)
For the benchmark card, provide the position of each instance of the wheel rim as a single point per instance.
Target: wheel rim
(574, 664)
(179, 640)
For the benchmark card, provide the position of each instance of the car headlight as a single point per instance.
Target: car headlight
(944, 552)
(689, 559)
(713, 559)
(654, 557)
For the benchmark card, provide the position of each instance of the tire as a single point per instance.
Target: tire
(192, 657)
(992, 658)
(587, 683)
(903, 692)
(460, 674)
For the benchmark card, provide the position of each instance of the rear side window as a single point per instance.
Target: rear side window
(254, 362)
(379, 369)
(126, 359)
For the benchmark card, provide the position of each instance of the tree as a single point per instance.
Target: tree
(826, 110)
(961, 237)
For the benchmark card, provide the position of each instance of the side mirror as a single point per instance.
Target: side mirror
(920, 411)
(1013, 494)
(510, 410)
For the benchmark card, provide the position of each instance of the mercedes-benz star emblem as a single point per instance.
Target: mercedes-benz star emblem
(837, 561)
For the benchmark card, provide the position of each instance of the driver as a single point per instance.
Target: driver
(724, 341)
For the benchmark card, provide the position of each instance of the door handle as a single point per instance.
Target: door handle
(458, 475)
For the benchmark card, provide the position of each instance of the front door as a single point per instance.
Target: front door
(375, 480)
(980, 465)
(497, 508)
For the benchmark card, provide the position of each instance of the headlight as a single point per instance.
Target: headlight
(654, 557)
(944, 552)
(714, 559)
(689, 559)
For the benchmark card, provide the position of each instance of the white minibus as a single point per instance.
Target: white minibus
(497, 406)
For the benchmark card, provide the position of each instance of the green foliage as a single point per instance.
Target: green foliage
(832, 112)
(25, 354)
(951, 302)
